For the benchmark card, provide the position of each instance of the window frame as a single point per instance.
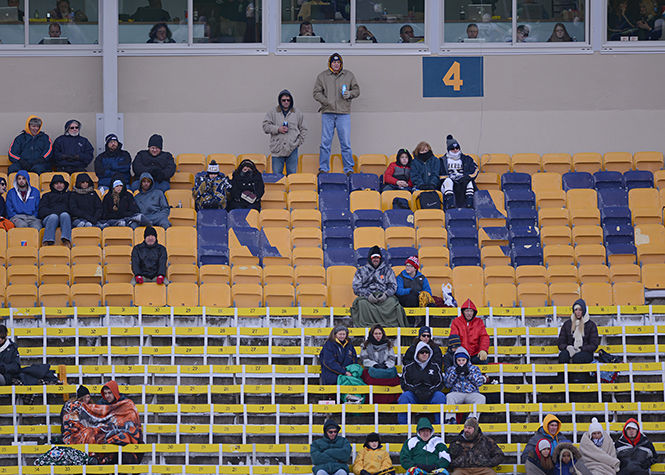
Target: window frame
(614, 47)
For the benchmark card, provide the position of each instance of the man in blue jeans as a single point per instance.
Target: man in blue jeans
(54, 211)
(287, 131)
(421, 382)
(334, 89)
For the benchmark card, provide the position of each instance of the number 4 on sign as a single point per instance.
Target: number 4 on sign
(453, 77)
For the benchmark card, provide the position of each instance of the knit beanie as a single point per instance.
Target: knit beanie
(472, 421)
(451, 143)
(156, 141)
(633, 425)
(424, 330)
(454, 341)
(213, 167)
(595, 426)
(110, 137)
(544, 444)
(340, 328)
(82, 391)
(413, 260)
(117, 183)
(149, 231)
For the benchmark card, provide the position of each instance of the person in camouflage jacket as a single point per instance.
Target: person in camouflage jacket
(210, 188)
(473, 453)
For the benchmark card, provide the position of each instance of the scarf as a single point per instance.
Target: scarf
(5, 345)
(578, 330)
(423, 157)
(454, 155)
(83, 191)
(373, 341)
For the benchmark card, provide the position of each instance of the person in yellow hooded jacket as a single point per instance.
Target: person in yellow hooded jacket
(372, 458)
(550, 430)
(31, 149)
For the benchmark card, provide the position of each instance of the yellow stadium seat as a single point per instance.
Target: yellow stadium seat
(86, 295)
(118, 273)
(526, 163)
(433, 256)
(437, 276)
(259, 159)
(22, 274)
(44, 183)
(21, 255)
(564, 293)
(274, 200)
(50, 255)
(118, 236)
(215, 294)
(372, 163)
(3, 241)
(364, 199)
(547, 181)
(400, 236)
(301, 181)
(310, 275)
(182, 181)
(308, 163)
(587, 162)
(182, 217)
(279, 239)
(86, 236)
(279, 185)
(491, 256)
(617, 161)
(498, 163)
(556, 254)
(54, 295)
(181, 245)
(226, 161)
(4, 165)
(589, 216)
(556, 162)
(311, 295)
(488, 181)
(279, 295)
(653, 275)
(54, 273)
(530, 274)
(307, 256)
(306, 218)
(628, 293)
(650, 234)
(247, 295)
(214, 274)
(26, 237)
(150, 294)
(468, 282)
(182, 294)
(552, 217)
(339, 279)
(278, 274)
(239, 254)
(551, 199)
(625, 273)
(581, 198)
(594, 273)
(3, 279)
(429, 218)
(118, 294)
(498, 200)
(597, 293)
(368, 237)
(306, 237)
(532, 294)
(302, 200)
(180, 198)
(659, 181)
(561, 273)
(415, 200)
(388, 196)
(241, 274)
(590, 254)
(426, 237)
(117, 254)
(652, 161)
(500, 295)
(138, 234)
(92, 175)
(187, 273)
(21, 295)
(275, 218)
(586, 234)
(253, 219)
(555, 235)
(190, 162)
(499, 275)
(645, 206)
(86, 255)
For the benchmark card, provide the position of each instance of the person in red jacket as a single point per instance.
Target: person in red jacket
(473, 333)
(398, 174)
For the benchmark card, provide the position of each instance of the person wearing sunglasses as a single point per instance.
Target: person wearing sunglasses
(330, 454)
(71, 151)
(458, 172)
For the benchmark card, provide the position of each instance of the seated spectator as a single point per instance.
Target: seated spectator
(567, 460)
(246, 187)
(330, 454)
(31, 149)
(539, 460)
(113, 163)
(406, 34)
(54, 31)
(363, 34)
(458, 172)
(120, 209)
(155, 161)
(3, 186)
(578, 338)
(337, 353)
(82, 397)
(152, 12)
(424, 335)
(152, 202)
(85, 207)
(559, 34)
(473, 453)
(421, 382)
(425, 168)
(54, 211)
(160, 33)
(375, 285)
(372, 458)
(472, 332)
(411, 284)
(634, 450)
(454, 342)
(548, 431)
(210, 188)
(522, 33)
(464, 381)
(598, 452)
(472, 31)
(62, 11)
(306, 29)
(377, 351)
(646, 20)
(23, 202)
(398, 174)
(10, 363)
(287, 131)
(424, 450)
(149, 259)
(72, 152)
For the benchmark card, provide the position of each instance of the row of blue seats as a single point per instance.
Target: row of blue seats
(571, 180)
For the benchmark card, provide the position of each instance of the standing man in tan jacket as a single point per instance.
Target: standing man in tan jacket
(334, 89)
(287, 132)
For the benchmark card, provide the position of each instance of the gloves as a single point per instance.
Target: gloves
(139, 279)
(571, 350)
(465, 369)
(482, 354)
(372, 298)
(160, 279)
(381, 298)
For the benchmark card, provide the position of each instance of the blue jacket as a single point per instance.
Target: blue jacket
(468, 379)
(334, 358)
(72, 153)
(15, 205)
(33, 152)
(405, 283)
(425, 175)
(112, 164)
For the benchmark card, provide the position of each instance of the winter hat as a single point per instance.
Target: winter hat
(472, 421)
(424, 330)
(595, 426)
(543, 444)
(374, 251)
(82, 391)
(451, 143)
(149, 231)
(70, 122)
(462, 353)
(156, 141)
(110, 137)
(633, 425)
(117, 182)
(581, 304)
(340, 328)
(372, 437)
(213, 167)
(413, 260)
(454, 341)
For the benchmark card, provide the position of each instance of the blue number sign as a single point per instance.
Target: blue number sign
(453, 77)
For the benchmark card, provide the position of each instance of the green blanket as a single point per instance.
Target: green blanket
(354, 380)
(390, 313)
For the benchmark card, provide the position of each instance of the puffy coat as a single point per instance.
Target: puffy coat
(574, 467)
(637, 455)
(422, 379)
(161, 167)
(153, 204)
(328, 90)
(590, 341)
(473, 334)
(281, 145)
(407, 284)
(251, 182)
(72, 153)
(126, 207)
(85, 203)
(425, 173)
(428, 455)
(31, 152)
(397, 171)
(10, 364)
(330, 455)
(210, 192)
(468, 380)
(16, 205)
(335, 357)
(54, 202)
(372, 460)
(149, 261)
(113, 164)
(410, 354)
(371, 355)
(542, 433)
(480, 451)
(368, 280)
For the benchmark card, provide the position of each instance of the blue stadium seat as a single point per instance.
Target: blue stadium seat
(619, 249)
(398, 255)
(332, 218)
(213, 247)
(360, 256)
(608, 197)
(339, 256)
(398, 217)
(266, 249)
(485, 207)
(461, 217)
(602, 180)
(271, 177)
(572, 180)
(333, 182)
(211, 217)
(515, 181)
(638, 179)
(363, 218)
(529, 255)
(341, 236)
(333, 199)
(465, 256)
(248, 237)
(615, 216)
(520, 199)
(496, 233)
(619, 234)
(524, 236)
(460, 235)
(364, 181)
(237, 218)
(518, 217)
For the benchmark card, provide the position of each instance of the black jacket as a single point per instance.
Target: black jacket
(149, 261)
(3, 207)
(71, 153)
(126, 207)
(422, 382)
(161, 167)
(10, 365)
(252, 182)
(54, 202)
(635, 459)
(110, 165)
(86, 205)
(590, 341)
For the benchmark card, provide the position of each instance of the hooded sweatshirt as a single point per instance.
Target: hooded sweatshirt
(328, 89)
(282, 145)
(369, 280)
(10, 364)
(32, 151)
(149, 261)
(113, 164)
(426, 455)
(330, 455)
(423, 379)
(161, 167)
(152, 203)
(54, 202)
(397, 171)
(636, 455)
(542, 433)
(473, 333)
(113, 386)
(119, 206)
(85, 203)
(19, 202)
(251, 181)
(468, 379)
(583, 337)
(72, 153)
